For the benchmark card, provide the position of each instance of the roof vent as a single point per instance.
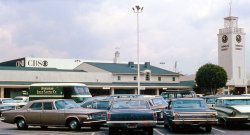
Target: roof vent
(131, 64)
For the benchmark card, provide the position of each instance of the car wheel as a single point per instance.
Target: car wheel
(112, 131)
(166, 125)
(172, 128)
(44, 127)
(21, 124)
(95, 127)
(208, 128)
(150, 130)
(74, 124)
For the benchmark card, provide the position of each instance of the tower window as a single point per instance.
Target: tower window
(147, 76)
(118, 77)
(135, 78)
(159, 78)
(173, 79)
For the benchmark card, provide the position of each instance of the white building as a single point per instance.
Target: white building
(231, 54)
(102, 78)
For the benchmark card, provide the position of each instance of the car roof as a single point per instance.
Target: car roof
(48, 100)
(132, 99)
(174, 99)
(235, 97)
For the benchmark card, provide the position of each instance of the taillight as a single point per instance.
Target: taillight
(108, 116)
(176, 115)
(155, 116)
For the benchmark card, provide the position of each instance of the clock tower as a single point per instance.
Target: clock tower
(231, 53)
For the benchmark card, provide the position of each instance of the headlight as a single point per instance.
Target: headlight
(232, 114)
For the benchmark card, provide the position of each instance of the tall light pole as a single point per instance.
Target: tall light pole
(137, 9)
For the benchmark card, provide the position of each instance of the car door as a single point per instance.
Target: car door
(33, 115)
(49, 115)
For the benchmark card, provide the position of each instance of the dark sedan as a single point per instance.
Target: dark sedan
(189, 112)
(131, 114)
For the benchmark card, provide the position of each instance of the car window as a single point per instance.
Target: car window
(229, 102)
(48, 106)
(219, 102)
(66, 104)
(36, 106)
(188, 104)
(8, 101)
(87, 105)
(102, 105)
(130, 104)
(159, 101)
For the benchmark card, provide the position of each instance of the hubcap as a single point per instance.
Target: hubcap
(21, 123)
(73, 124)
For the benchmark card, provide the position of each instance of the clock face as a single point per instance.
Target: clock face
(224, 38)
(238, 38)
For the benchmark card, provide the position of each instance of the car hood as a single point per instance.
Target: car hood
(242, 108)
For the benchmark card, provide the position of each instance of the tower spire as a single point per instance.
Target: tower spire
(230, 7)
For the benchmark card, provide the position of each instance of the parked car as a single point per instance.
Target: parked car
(191, 112)
(103, 104)
(211, 100)
(54, 112)
(4, 107)
(131, 114)
(167, 95)
(21, 100)
(157, 104)
(233, 110)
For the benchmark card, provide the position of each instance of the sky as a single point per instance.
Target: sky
(170, 31)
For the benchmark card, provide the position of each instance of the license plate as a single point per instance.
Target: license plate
(131, 125)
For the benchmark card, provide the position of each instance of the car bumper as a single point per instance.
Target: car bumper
(238, 119)
(195, 122)
(92, 123)
(131, 124)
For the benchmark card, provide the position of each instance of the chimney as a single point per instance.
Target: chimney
(147, 65)
(117, 57)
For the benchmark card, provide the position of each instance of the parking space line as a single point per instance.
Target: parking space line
(158, 132)
(219, 130)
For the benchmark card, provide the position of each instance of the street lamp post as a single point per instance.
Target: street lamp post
(137, 9)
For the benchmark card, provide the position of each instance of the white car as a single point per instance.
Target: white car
(21, 100)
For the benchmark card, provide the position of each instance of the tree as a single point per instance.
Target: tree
(210, 77)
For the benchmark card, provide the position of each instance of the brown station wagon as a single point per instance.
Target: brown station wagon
(55, 112)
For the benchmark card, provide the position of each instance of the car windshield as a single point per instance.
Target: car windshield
(130, 104)
(159, 101)
(189, 104)
(66, 104)
(211, 100)
(101, 105)
(8, 101)
(230, 102)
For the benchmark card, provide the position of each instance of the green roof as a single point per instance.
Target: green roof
(131, 68)
(185, 83)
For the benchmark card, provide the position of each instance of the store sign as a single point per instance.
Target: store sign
(20, 63)
(37, 63)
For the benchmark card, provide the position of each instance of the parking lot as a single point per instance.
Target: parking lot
(10, 129)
